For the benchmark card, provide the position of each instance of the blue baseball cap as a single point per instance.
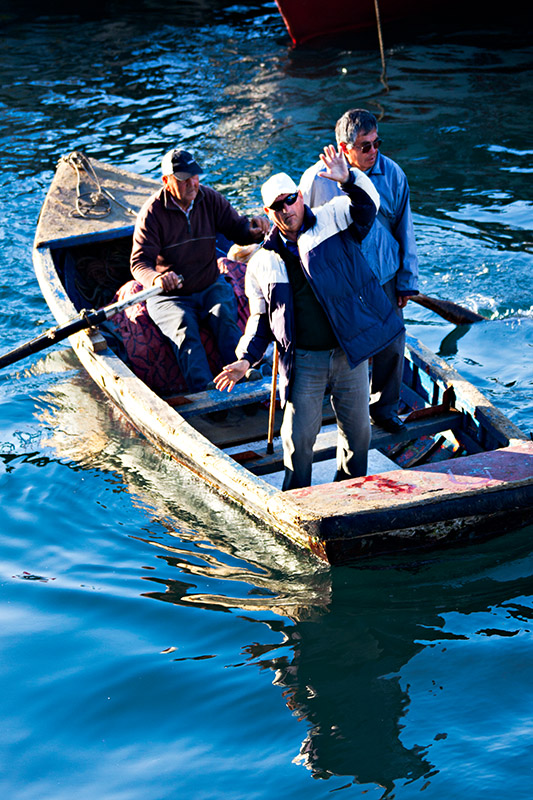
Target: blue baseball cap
(179, 163)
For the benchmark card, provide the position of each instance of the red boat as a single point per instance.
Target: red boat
(309, 19)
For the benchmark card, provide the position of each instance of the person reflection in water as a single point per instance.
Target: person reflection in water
(340, 675)
(344, 680)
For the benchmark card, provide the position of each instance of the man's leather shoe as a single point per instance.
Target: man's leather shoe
(391, 424)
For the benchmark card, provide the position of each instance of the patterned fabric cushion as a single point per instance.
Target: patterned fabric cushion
(149, 352)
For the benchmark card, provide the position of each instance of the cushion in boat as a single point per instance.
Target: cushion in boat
(149, 352)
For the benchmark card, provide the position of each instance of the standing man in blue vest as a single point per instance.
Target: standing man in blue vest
(310, 289)
(389, 248)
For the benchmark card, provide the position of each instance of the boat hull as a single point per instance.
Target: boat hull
(425, 507)
(310, 20)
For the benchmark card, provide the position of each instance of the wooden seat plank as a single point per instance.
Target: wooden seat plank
(190, 405)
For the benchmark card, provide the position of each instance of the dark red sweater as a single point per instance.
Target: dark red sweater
(165, 238)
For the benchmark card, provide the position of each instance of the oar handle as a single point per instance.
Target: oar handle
(86, 319)
(112, 309)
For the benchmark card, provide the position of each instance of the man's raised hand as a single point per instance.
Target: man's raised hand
(335, 163)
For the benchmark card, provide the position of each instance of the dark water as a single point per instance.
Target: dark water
(156, 643)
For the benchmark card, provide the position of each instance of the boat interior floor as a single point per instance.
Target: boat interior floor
(242, 431)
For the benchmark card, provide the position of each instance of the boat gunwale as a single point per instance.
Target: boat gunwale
(468, 398)
(63, 242)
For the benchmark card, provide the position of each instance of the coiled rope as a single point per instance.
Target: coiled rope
(94, 203)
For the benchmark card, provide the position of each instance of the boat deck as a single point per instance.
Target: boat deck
(242, 434)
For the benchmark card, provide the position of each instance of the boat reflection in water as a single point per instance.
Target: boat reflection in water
(338, 668)
(202, 535)
(346, 634)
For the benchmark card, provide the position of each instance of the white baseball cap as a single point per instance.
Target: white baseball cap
(281, 183)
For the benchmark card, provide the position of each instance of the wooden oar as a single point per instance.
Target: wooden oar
(85, 319)
(272, 408)
(452, 312)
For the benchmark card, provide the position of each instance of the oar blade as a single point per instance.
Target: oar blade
(458, 315)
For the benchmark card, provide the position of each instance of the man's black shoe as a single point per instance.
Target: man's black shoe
(391, 424)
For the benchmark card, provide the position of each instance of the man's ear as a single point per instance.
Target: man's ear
(344, 147)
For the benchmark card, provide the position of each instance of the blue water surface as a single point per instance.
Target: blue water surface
(156, 642)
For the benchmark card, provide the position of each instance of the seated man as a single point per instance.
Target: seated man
(311, 290)
(174, 248)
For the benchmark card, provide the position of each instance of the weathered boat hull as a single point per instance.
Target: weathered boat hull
(425, 506)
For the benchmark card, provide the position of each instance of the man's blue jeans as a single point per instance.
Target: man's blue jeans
(180, 317)
(313, 372)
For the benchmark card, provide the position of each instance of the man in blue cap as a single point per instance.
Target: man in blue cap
(174, 247)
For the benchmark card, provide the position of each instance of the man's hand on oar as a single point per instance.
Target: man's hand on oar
(85, 319)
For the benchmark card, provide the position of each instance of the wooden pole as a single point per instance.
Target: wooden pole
(272, 408)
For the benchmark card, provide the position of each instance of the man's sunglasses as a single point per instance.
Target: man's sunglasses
(367, 146)
(278, 205)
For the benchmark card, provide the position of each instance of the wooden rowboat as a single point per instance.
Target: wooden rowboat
(462, 469)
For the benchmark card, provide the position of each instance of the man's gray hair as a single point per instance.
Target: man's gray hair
(353, 122)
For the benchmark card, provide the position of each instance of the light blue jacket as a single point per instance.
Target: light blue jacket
(390, 247)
